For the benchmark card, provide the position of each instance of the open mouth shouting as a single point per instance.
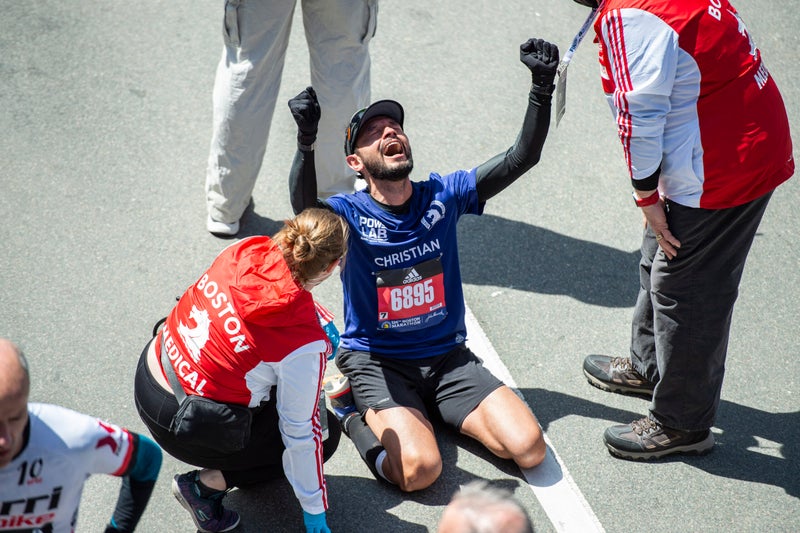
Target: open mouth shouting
(392, 147)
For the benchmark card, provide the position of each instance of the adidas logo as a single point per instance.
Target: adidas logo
(411, 277)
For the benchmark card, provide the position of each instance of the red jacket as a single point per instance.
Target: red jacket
(692, 95)
(245, 310)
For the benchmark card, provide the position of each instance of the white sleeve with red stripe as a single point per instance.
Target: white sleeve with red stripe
(299, 383)
(324, 315)
(641, 54)
(113, 449)
(105, 448)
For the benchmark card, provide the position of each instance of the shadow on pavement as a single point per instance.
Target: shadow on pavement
(506, 253)
(362, 503)
(757, 446)
(356, 504)
(752, 445)
(254, 224)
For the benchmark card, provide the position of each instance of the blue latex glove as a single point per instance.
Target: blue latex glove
(333, 335)
(315, 523)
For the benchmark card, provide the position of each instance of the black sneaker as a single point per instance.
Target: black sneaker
(208, 513)
(647, 439)
(616, 374)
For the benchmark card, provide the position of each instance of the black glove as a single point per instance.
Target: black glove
(588, 3)
(306, 112)
(541, 58)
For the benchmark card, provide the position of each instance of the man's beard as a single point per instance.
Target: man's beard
(381, 172)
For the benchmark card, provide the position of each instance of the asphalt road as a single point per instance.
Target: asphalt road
(105, 113)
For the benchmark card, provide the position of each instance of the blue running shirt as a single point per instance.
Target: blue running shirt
(402, 283)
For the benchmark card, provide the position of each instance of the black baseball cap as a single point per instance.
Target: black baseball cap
(381, 108)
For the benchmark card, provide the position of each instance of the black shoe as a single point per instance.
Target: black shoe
(208, 513)
(616, 374)
(647, 439)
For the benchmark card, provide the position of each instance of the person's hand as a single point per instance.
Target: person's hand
(315, 523)
(306, 112)
(541, 58)
(656, 218)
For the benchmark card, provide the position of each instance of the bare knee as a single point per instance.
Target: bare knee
(528, 449)
(507, 427)
(413, 461)
(532, 455)
(418, 471)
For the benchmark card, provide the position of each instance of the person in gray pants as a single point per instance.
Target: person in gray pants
(706, 139)
(256, 36)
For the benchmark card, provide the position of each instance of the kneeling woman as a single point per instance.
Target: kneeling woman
(248, 333)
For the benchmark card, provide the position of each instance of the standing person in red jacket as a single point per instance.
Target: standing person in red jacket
(248, 333)
(706, 139)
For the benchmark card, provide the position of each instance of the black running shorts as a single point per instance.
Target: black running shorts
(449, 386)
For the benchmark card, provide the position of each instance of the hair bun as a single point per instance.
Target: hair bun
(312, 241)
(302, 250)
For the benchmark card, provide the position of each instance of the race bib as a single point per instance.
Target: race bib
(411, 298)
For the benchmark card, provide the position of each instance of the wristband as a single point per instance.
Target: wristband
(306, 147)
(546, 90)
(649, 200)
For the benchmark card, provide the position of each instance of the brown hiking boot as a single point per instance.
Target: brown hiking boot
(616, 374)
(647, 439)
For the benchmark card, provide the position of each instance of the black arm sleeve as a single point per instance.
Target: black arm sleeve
(303, 182)
(649, 183)
(132, 500)
(503, 169)
(137, 485)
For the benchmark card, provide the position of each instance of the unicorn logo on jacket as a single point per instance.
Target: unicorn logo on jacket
(195, 338)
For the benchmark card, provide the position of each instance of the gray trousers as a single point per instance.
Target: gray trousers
(248, 79)
(682, 317)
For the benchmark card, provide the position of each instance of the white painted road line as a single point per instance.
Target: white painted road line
(550, 482)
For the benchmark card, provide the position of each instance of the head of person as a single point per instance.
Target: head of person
(14, 390)
(480, 508)
(376, 146)
(313, 243)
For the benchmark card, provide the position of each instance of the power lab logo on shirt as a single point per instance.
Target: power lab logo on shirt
(434, 214)
(372, 230)
(195, 338)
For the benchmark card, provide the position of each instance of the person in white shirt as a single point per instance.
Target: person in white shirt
(47, 452)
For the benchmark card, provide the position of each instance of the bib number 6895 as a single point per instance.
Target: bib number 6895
(412, 295)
